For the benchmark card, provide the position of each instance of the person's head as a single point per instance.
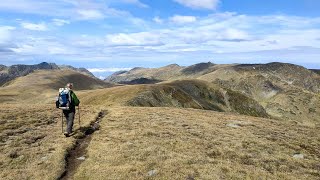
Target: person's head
(69, 85)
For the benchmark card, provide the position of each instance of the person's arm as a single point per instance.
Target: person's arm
(70, 98)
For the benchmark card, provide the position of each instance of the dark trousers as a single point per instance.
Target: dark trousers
(69, 115)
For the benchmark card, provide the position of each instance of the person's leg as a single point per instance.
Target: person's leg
(66, 115)
(70, 120)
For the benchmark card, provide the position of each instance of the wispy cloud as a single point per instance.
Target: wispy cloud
(158, 20)
(34, 27)
(90, 14)
(70, 9)
(134, 39)
(178, 19)
(215, 36)
(5, 33)
(199, 4)
(136, 2)
(60, 22)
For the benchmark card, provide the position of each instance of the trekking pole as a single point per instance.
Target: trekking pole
(62, 121)
(79, 115)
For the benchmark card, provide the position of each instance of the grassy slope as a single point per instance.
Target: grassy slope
(46, 83)
(189, 143)
(31, 142)
(288, 94)
(186, 93)
(176, 143)
(316, 71)
(170, 72)
(32, 145)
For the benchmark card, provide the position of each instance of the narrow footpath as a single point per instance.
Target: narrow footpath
(78, 153)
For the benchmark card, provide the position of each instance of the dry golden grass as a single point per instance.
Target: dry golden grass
(171, 143)
(46, 83)
(32, 145)
(116, 96)
(149, 143)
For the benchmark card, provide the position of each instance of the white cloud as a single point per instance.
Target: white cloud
(5, 33)
(199, 4)
(71, 9)
(100, 70)
(217, 35)
(158, 20)
(136, 2)
(178, 19)
(133, 39)
(60, 22)
(230, 34)
(90, 14)
(55, 8)
(35, 46)
(34, 27)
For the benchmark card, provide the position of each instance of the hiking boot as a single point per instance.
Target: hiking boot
(66, 134)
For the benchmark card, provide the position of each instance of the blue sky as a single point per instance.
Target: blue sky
(109, 35)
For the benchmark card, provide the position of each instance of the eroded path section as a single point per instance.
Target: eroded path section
(78, 153)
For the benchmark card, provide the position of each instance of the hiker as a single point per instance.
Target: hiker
(69, 107)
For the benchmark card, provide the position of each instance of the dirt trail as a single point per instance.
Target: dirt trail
(78, 153)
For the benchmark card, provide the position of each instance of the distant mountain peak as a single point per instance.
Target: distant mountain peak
(196, 68)
(137, 68)
(11, 72)
(173, 65)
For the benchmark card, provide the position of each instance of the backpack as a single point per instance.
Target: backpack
(66, 98)
(63, 101)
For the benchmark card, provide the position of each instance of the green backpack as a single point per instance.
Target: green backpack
(74, 99)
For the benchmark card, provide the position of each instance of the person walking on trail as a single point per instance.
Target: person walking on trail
(69, 107)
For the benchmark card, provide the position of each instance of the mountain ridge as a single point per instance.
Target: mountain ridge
(9, 73)
(286, 91)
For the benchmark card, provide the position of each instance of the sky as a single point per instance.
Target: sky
(105, 36)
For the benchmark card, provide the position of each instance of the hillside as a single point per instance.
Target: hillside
(170, 143)
(167, 73)
(10, 73)
(206, 122)
(44, 84)
(285, 91)
(184, 94)
(149, 75)
(316, 71)
(154, 143)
